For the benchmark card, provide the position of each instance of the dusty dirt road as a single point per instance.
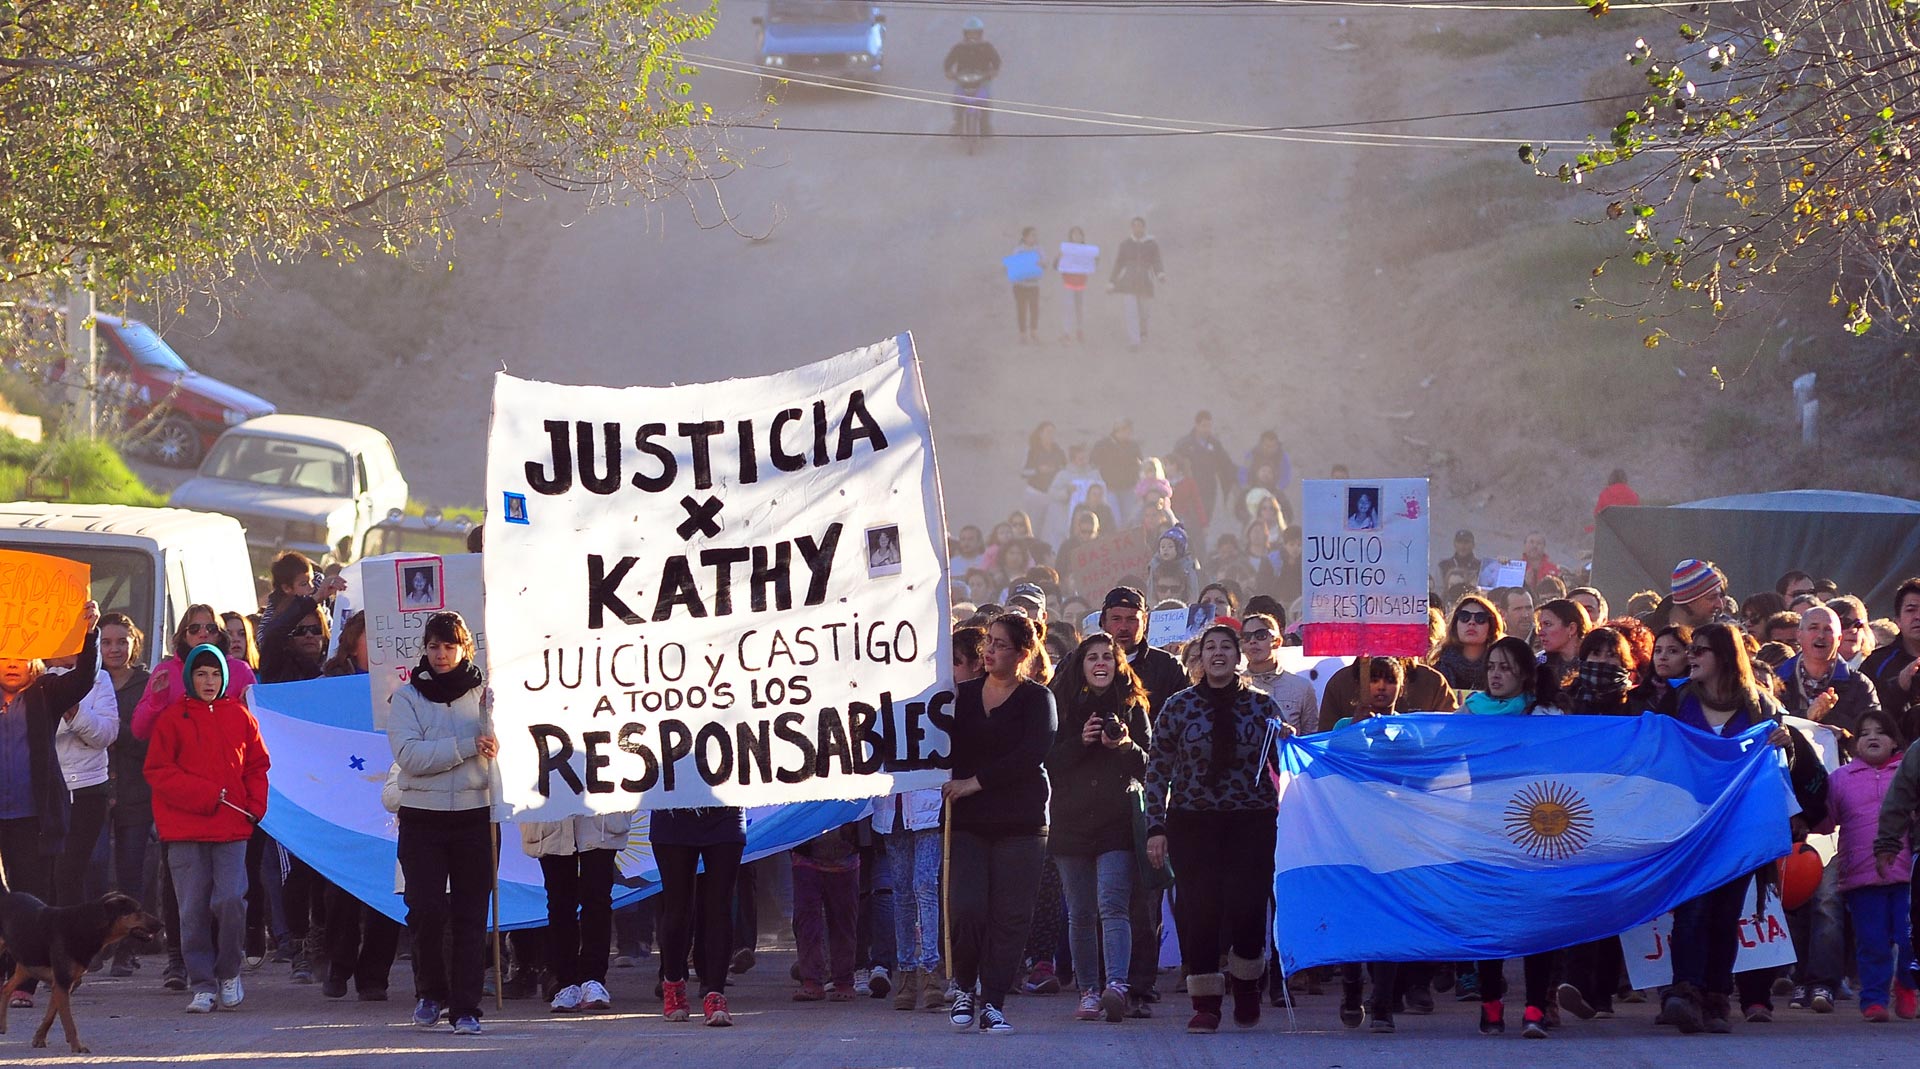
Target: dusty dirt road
(1374, 304)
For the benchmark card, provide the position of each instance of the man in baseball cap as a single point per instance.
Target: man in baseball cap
(1699, 593)
(1029, 600)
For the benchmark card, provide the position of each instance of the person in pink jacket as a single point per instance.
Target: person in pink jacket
(1876, 893)
(199, 625)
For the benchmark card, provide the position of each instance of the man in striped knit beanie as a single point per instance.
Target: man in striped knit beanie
(1699, 594)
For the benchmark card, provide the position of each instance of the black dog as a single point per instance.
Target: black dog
(55, 944)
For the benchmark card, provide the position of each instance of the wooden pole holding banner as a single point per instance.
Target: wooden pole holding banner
(946, 881)
(499, 978)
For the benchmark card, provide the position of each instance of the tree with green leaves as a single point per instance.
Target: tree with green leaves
(172, 142)
(1771, 154)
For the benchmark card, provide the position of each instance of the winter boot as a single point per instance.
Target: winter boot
(1244, 975)
(907, 995)
(1208, 990)
(1681, 1009)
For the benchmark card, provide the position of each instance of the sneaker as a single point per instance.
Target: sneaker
(232, 994)
(1906, 1003)
(467, 1026)
(567, 1000)
(1572, 1001)
(373, 994)
(1493, 1018)
(1782, 986)
(879, 982)
(863, 982)
(1821, 999)
(593, 996)
(673, 1000)
(1466, 987)
(1759, 1014)
(1089, 1008)
(254, 961)
(333, 988)
(1041, 980)
(282, 953)
(993, 1022)
(714, 1006)
(623, 961)
(1382, 1023)
(426, 1013)
(1536, 1023)
(302, 971)
(1351, 1015)
(202, 1002)
(174, 977)
(1682, 1013)
(742, 960)
(1876, 1014)
(1139, 1007)
(961, 1015)
(123, 966)
(1420, 1001)
(1114, 1003)
(1799, 999)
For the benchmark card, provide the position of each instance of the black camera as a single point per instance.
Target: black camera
(1110, 726)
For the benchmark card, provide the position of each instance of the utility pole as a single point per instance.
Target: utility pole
(82, 351)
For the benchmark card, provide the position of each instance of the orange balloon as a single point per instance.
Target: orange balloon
(1800, 873)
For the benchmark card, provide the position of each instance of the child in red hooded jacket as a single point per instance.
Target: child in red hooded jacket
(208, 770)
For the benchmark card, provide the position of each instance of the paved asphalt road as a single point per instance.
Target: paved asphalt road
(133, 1022)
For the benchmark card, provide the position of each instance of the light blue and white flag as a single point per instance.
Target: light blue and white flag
(323, 805)
(1457, 838)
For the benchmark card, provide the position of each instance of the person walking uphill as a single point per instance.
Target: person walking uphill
(1136, 267)
(1210, 808)
(1095, 769)
(208, 770)
(578, 856)
(1003, 726)
(440, 728)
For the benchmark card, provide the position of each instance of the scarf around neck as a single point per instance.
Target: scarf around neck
(1224, 732)
(449, 688)
(1480, 703)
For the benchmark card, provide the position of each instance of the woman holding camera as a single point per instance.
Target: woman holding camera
(1096, 766)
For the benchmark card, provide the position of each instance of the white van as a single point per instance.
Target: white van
(148, 563)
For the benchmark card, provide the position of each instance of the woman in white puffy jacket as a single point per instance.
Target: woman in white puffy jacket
(80, 741)
(578, 857)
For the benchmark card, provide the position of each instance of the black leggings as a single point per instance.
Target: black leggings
(84, 821)
(579, 914)
(1538, 969)
(712, 894)
(1224, 862)
(990, 908)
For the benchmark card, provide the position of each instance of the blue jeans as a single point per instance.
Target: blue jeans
(1885, 947)
(914, 858)
(1819, 931)
(1098, 889)
(211, 882)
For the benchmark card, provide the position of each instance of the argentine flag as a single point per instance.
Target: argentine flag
(323, 805)
(1433, 837)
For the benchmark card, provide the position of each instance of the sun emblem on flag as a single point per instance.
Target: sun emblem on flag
(1549, 820)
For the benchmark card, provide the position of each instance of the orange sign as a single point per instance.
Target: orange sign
(40, 602)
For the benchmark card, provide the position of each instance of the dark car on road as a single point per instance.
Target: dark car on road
(836, 38)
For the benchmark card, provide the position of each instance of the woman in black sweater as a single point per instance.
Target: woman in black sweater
(1095, 769)
(1003, 725)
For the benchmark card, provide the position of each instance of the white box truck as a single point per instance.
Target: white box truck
(149, 563)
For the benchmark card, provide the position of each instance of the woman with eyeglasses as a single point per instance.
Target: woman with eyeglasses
(293, 641)
(1719, 697)
(198, 625)
(1471, 631)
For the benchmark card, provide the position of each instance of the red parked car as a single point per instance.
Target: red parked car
(191, 409)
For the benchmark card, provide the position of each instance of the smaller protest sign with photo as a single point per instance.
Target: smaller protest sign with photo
(422, 584)
(1364, 567)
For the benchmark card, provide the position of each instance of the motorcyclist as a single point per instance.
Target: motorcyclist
(972, 58)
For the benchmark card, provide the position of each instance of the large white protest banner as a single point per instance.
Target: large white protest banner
(1364, 568)
(728, 593)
